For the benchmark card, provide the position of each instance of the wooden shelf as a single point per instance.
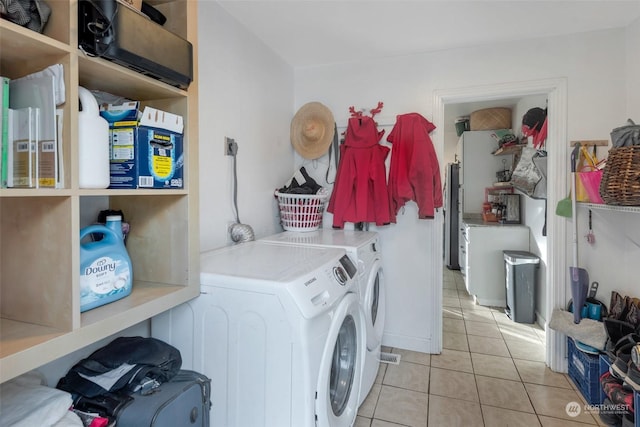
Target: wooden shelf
(510, 149)
(33, 192)
(117, 80)
(507, 184)
(591, 143)
(40, 317)
(26, 346)
(18, 43)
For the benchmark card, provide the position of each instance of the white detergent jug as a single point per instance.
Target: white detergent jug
(93, 141)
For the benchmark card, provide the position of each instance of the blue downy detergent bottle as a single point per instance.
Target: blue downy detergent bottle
(105, 268)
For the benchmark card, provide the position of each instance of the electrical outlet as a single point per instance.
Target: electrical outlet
(230, 146)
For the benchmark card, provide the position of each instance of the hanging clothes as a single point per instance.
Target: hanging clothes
(414, 173)
(360, 190)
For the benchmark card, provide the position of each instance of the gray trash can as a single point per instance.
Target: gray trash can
(520, 269)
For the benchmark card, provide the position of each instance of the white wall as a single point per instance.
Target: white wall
(406, 83)
(246, 93)
(596, 96)
(633, 70)
(613, 260)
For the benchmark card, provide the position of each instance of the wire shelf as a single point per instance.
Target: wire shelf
(604, 207)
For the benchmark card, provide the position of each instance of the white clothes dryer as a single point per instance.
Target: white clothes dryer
(279, 331)
(363, 248)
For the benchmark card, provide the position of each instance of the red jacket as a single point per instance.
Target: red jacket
(360, 190)
(414, 173)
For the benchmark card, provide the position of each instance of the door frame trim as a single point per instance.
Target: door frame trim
(557, 269)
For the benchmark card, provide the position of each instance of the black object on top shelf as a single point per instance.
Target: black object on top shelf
(154, 14)
(121, 35)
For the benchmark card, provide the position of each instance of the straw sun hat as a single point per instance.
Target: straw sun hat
(312, 130)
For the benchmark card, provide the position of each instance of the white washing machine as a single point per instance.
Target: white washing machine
(279, 331)
(362, 247)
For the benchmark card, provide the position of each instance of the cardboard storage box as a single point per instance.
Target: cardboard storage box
(144, 153)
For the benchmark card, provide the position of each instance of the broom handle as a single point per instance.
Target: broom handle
(574, 159)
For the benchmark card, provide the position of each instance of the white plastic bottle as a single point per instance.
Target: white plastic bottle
(93, 140)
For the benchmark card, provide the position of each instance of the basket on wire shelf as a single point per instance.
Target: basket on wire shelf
(620, 183)
(301, 212)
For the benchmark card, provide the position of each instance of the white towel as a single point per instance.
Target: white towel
(70, 419)
(25, 402)
(588, 331)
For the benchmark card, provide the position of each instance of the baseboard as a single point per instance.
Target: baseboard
(490, 302)
(422, 345)
(541, 321)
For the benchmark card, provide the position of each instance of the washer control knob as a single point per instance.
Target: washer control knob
(340, 275)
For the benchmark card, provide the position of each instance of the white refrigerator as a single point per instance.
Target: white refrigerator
(478, 168)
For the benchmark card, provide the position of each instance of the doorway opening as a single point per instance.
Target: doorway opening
(555, 91)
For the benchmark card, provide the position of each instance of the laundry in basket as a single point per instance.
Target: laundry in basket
(301, 203)
(301, 212)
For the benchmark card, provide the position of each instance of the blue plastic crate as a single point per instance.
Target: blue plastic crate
(604, 367)
(584, 370)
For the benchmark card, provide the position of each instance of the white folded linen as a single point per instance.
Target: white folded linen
(25, 402)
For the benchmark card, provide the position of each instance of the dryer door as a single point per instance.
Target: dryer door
(341, 366)
(374, 305)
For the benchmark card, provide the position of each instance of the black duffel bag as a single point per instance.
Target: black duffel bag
(123, 364)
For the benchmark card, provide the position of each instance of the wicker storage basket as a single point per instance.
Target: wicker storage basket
(620, 183)
(491, 118)
(300, 212)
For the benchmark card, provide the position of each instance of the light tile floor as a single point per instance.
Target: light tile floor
(491, 373)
